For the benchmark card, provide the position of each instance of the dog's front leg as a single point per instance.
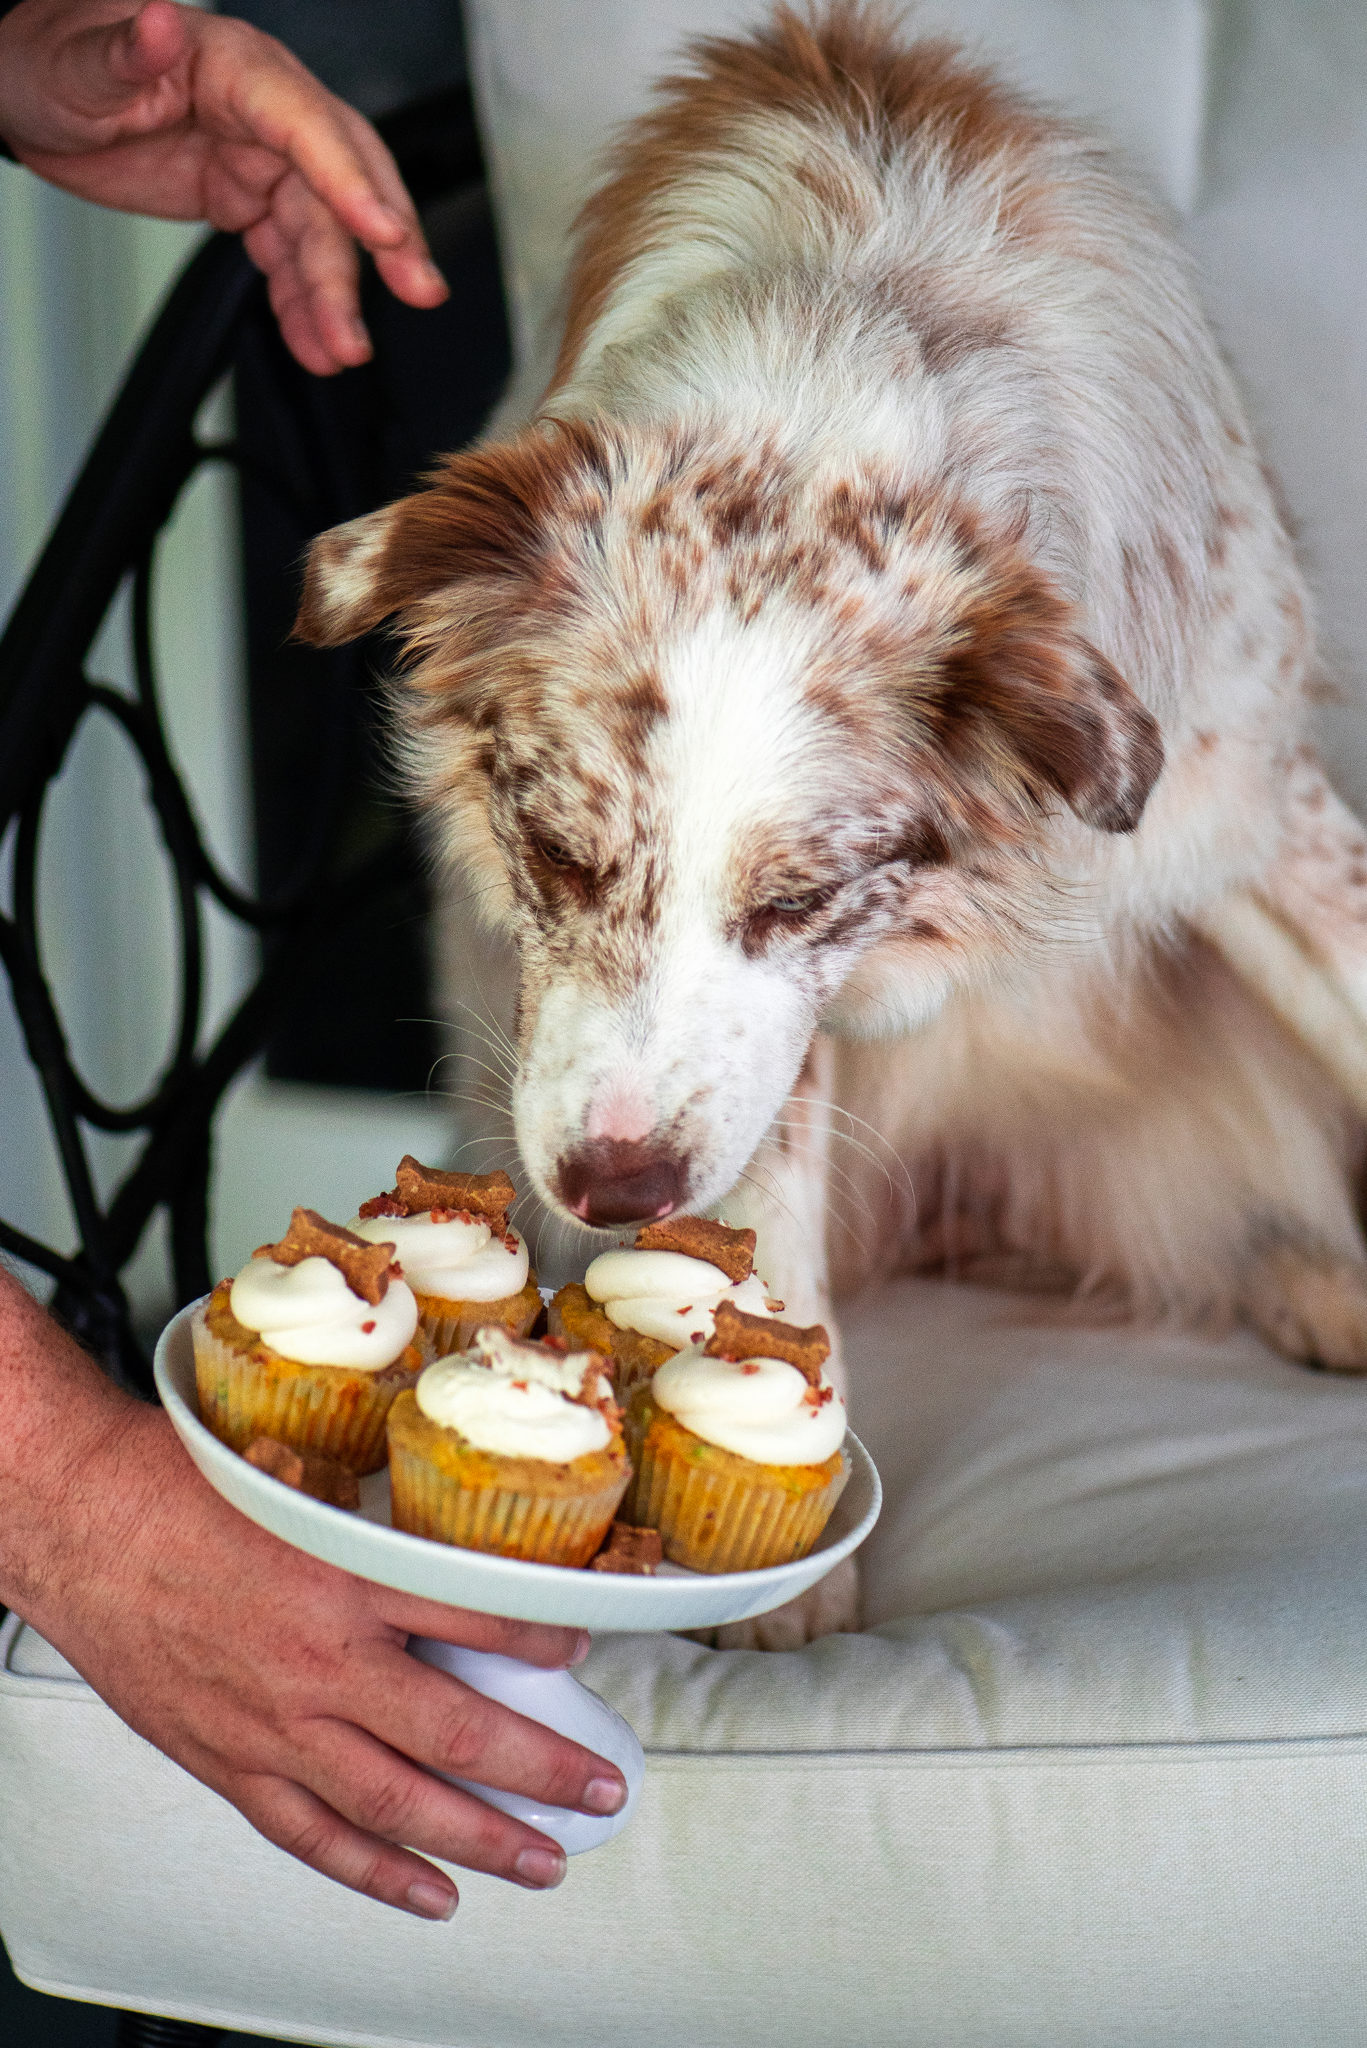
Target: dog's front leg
(1300, 940)
(782, 1197)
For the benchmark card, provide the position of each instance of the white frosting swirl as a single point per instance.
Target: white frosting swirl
(667, 1294)
(459, 1259)
(515, 1399)
(309, 1314)
(756, 1407)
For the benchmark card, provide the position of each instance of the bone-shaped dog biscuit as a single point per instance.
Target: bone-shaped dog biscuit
(738, 1335)
(698, 1238)
(364, 1267)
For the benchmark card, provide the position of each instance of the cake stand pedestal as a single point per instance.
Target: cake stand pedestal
(561, 1702)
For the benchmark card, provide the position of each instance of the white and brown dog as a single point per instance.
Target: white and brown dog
(874, 685)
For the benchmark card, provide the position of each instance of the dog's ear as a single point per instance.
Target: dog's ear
(346, 590)
(482, 517)
(1022, 672)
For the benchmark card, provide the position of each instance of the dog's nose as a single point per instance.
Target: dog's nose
(611, 1181)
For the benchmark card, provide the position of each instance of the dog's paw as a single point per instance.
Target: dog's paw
(1310, 1305)
(826, 1609)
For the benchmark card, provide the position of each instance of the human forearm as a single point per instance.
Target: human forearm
(280, 1682)
(64, 1428)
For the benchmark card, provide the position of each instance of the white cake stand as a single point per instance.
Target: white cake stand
(366, 1545)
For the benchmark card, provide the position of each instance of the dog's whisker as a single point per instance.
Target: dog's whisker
(496, 1074)
(857, 1146)
(769, 1195)
(485, 1026)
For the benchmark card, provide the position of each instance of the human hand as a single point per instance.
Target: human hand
(165, 110)
(280, 1682)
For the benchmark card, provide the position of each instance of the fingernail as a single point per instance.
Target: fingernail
(541, 1868)
(581, 1648)
(603, 1795)
(356, 329)
(431, 275)
(433, 1901)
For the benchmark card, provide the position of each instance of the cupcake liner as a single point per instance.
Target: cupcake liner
(462, 1499)
(635, 1359)
(717, 1512)
(446, 1325)
(246, 1393)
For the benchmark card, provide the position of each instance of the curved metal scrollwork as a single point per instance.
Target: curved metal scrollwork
(146, 456)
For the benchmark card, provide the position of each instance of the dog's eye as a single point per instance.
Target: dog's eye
(552, 858)
(782, 914)
(553, 853)
(787, 912)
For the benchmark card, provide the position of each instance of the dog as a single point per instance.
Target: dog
(872, 690)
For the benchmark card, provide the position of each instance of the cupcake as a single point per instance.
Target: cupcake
(641, 1305)
(309, 1345)
(739, 1459)
(510, 1447)
(465, 1265)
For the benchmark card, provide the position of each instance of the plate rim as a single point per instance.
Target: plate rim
(748, 1592)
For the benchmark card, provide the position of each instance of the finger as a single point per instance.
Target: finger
(533, 1642)
(289, 301)
(312, 269)
(300, 1823)
(101, 70)
(280, 105)
(388, 1797)
(412, 276)
(299, 331)
(433, 1718)
(407, 268)
(326, 271)
(157, 39)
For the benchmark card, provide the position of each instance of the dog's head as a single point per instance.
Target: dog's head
(715, 738)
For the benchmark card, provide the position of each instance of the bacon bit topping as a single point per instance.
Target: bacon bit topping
(629, 1549)
(366, 1268)
(737, 1335)
(381, 1205)
(367, 1327)
(776, 1308)
(695, 1336)
(699, 1238)
(749, 1366)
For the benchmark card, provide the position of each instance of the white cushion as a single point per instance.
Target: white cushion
(1097, 1775)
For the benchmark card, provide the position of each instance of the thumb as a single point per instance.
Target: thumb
(103, 69)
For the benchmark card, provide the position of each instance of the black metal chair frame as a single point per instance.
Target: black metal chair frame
(107, 536)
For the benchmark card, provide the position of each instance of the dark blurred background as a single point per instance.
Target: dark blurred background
(434, 379)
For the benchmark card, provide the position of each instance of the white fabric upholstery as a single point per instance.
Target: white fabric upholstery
(1098, 1775)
